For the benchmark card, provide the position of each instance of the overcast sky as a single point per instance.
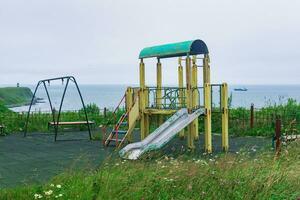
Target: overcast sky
(98, 41)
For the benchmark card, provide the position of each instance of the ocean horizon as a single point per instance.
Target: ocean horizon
(107, 95)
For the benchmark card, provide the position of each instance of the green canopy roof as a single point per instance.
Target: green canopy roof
(192, 47)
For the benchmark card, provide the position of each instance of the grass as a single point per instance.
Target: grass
(239, 119)
(15, 96)
(225, 176)
(38, 122)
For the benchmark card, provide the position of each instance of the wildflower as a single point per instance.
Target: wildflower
(117, 164)
(60, 195)
(52, 185)
(38, 196)
(237, 152)
(49, 192)
(58, 186)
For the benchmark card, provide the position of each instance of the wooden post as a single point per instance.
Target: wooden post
(104, 112)
(278, 135)
(142, 101)
(252, 115)
(195, 97)
(181, 91)
(128, 105)
(159, 90)
(190, 135)
(224, 104)
(207, 104)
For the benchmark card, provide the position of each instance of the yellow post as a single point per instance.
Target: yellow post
(190, 135)
(159, 90)
(194, 81)
(147, 116)
(207, 104)
(142, 100)
(181, 91)
(224, 104)
(129, 104)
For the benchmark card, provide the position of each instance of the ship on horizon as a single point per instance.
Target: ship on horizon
(243, 89)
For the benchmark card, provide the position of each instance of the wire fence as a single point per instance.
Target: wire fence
(242, 121)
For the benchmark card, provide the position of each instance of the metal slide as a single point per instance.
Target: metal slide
(161, 135)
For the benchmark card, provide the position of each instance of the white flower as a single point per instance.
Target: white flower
(57, 196)
(117, 164)
(52, 185)
(58, 186)
(38, 196)
(48, 192)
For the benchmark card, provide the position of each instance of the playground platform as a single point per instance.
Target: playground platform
(37, 158)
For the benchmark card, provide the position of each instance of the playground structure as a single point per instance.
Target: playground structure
(155, 103)
(56, 120)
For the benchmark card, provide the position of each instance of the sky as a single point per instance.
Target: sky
(98, 41)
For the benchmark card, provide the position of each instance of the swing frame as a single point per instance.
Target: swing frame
(56, 121)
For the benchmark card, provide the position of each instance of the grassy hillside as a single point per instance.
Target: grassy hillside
(226, 176)
(15, 96)
(4, 109)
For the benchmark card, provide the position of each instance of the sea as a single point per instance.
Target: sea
(108, 96)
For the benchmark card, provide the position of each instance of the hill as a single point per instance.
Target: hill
(15, 96)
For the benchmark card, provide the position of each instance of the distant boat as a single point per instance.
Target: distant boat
(241, 89)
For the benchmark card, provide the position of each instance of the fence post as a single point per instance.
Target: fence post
(252, 115)
(104, 112)
(278, 135)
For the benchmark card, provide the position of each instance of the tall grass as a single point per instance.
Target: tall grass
(226, 176)
(239, 119)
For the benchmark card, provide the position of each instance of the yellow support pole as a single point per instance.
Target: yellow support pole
(147, 116)
(224, 104)
(181, 91)
(142, 101)
(207, 119)
(207, 103)
(128, 105)
(194, 81)
(159, 90)
(190, 135)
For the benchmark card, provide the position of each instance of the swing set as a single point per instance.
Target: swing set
(56, 120)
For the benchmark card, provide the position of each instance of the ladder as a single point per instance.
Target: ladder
(124, 127)
(117, 135)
